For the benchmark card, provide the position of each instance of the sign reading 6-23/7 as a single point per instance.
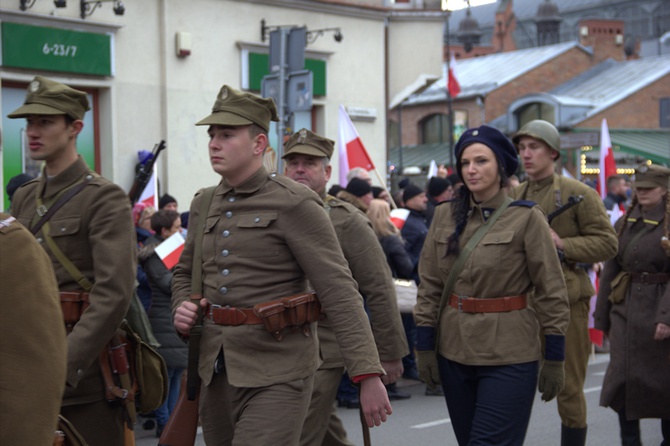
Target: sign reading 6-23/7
(56, 49)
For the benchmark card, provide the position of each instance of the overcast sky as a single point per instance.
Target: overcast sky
(460, 4)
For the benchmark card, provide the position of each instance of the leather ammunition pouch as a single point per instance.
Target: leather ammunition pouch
(620, 285)
(292, 313)
(73, 304)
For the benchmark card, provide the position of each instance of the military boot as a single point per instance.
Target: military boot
(630, 431)
(573, 436)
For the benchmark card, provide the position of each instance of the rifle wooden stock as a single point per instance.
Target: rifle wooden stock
(182, 427)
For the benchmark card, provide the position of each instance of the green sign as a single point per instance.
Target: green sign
(258, 67)
(53, 49)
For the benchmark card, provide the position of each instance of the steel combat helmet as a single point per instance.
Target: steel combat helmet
(541, 130)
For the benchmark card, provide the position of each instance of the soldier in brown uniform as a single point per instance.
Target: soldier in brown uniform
(582, 235)
(483, 329)
(264, 238)
(634, 309)
(307, 158)
(32, 340)
(94, 230)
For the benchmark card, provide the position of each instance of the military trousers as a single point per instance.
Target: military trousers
(259, 416)
(99, 423)
(489, 405)
(322, 413)
(571, 400)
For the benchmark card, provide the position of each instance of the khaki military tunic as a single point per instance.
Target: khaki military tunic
(588, 237)
(32, 339)
(95, 231)
(516, 256)
(263, 240)
(368, 265)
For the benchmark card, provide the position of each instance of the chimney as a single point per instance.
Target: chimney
(605, 37)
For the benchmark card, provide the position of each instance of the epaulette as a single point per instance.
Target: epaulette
(7, 222)
(525, 203)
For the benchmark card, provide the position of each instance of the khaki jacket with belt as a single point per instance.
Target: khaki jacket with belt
(516, 256)
(585, 228)
(263, 240)
(368, 265)
(94, 229)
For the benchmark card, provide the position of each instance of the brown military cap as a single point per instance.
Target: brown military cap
(47, 97)
(652, 176)
(235, 108)
(306, 142)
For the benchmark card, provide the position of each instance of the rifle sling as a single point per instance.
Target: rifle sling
(460, 262)
(192, 378)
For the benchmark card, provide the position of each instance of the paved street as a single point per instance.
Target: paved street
(424, 420)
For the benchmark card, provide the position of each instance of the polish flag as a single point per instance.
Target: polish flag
(399, 217)
(452, 82)
(607, 169)
(595, 335)
(149, 195)
(170, 250)
(350, 147)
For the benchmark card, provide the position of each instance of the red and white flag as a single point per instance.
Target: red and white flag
(149, 195)
(453, 85)
(170, 250)
(350, 148)
(596, 336)
(399, 217)
(607, 169)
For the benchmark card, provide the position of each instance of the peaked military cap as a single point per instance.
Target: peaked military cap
(306, 142)
(48, 97)
(236, 108)
(652, 176)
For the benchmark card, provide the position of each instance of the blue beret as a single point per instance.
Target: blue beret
(495, 140)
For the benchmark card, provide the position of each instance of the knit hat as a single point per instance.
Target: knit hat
(376, 190)
(16, 182)
(437, 185)
(403, 183)
(165, 200)
(47, 97)
(335, 189)
(411, 191)
(358, 187)
(495, 140)
(235, 108)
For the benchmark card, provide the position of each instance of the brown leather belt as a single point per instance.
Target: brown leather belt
(232, 316)
(649, 278)
(495, 305)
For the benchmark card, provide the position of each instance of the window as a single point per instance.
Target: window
(535, 110)
(434, 129)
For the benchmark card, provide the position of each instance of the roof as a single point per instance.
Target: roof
(610, 82)
(480, 75)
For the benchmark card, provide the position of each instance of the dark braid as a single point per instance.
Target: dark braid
(459, 211)
(633, 203)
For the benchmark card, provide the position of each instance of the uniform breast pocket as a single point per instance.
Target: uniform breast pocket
(257, 233)
(495, 248)
(65, 232)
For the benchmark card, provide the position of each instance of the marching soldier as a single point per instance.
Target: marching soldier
(84, 223)
(307, 158)
(582, 235)
(264, 238)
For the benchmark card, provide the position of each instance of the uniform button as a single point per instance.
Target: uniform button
(40, 239)
(226, 233)
(229, 214)
(231, 199)
(225, 253)
(89, 177)
(273, 175)
(257, 219)
(223, 290)
(225, 272)
(62, 229)
(80, 373)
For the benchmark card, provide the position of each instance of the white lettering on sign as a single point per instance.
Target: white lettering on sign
(59, 50)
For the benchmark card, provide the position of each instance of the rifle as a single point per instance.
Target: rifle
(182, 427)
(572, 201)
(144, 174)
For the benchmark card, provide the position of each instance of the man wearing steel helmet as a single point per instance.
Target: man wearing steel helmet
(265, 238)
(582, 234)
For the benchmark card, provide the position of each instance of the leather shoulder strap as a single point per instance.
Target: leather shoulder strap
(69, 193)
